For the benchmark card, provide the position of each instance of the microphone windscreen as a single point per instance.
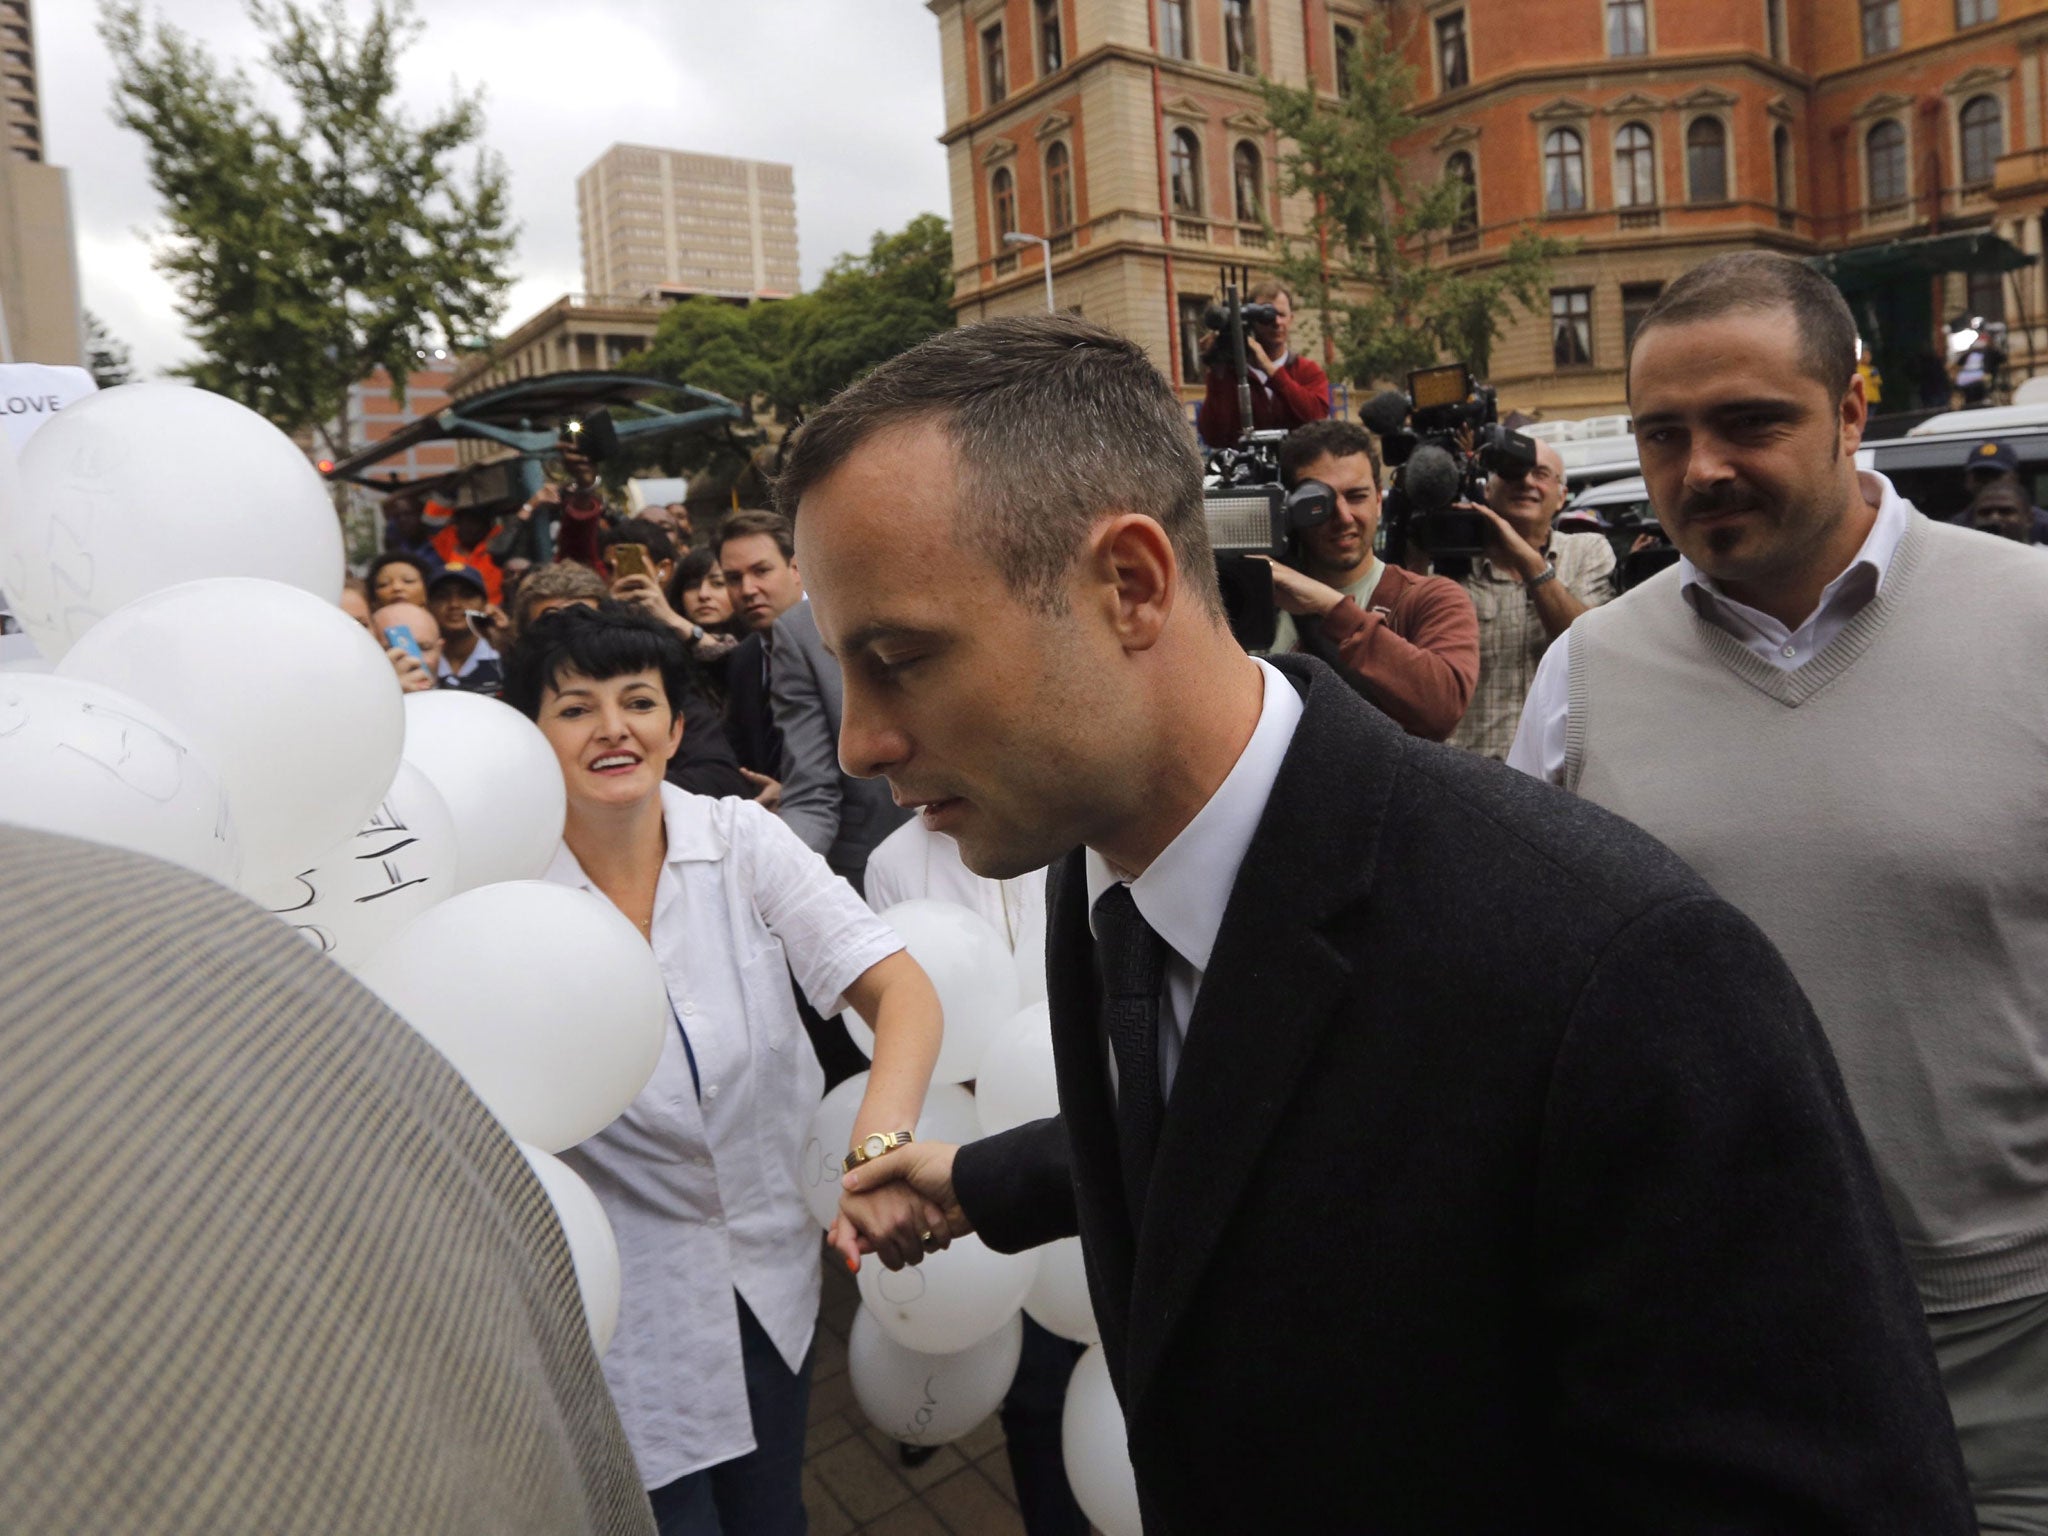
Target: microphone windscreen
(1431, 480)
(1385, 412)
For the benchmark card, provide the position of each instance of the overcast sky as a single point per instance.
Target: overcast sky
(847, 91)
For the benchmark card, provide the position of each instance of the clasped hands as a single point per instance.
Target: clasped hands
(899, 1207)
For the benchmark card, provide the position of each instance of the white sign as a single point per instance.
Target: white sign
(31, 393)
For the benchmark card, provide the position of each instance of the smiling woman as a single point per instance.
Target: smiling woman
(700, 1175)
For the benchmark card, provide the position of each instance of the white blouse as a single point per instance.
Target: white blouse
(703, 1192)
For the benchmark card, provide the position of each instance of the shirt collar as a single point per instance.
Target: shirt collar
(484, 652)
(691, 838)
(1183, 894)
(1871, 564)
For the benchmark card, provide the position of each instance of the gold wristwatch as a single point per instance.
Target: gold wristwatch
(871, 1147)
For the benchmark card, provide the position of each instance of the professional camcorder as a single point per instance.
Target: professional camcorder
(1252, 519)
(1442, 437)
(1217, 318)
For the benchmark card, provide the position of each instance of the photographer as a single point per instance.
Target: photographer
(1409, 643)
(1526, 589)
(1287, 391)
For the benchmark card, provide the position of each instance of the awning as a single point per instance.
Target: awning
(1866, 267)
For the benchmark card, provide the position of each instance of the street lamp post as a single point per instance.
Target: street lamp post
(1015, 237)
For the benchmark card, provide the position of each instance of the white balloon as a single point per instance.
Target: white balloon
(82, 759)
(287, 696)
(544, 997)
(499, 779)
(593, 1248)
(929, 1399)
(948, 1116)
(1058, 1300)
(1097, 1454)
(143, 487)
(1016, 1083)
(971, 968)
(357, 894)
(951, 1301)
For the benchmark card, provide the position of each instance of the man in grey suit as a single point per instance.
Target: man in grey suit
(834, 813)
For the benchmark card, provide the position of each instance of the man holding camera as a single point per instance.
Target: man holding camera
(1527, 588)
(1286, 390)
(1408, 643)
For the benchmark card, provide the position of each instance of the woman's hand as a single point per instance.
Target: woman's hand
(894, 1222)
(770, 796)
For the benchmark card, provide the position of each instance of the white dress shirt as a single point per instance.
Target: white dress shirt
(1539, 748)
(915, 863)
(1183, 894)
(703, 1194)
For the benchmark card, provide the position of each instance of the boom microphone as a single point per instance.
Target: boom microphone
(1431, 479)
(1385, 412)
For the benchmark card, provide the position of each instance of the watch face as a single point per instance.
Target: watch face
(875, 1145)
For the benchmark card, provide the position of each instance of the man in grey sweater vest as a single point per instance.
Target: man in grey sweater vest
(1833, 708)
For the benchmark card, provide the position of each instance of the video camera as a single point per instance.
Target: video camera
(1252, 519)
(1442, 438)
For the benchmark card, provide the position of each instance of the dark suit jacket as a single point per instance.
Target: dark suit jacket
(1506, 1185)
(749, 717)
(833, 812)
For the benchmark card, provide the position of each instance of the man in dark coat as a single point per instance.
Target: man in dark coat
(1445, 1155)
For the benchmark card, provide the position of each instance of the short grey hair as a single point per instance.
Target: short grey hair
(1055, 423)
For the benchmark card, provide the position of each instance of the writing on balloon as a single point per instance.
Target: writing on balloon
(914, 1427)
(134, 752)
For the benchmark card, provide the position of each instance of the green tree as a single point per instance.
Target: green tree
(310, 248)
(1368, 266)
(107, 357)
(797, 353)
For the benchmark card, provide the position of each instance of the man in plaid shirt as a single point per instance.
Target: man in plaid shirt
(1526, 589)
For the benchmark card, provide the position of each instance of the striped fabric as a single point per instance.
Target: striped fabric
(266, 1265)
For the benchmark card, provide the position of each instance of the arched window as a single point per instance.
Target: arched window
(1184, 171)
(1706, 161)
(1059, 189)
(1983, 138)
(1781, 166)
(1459, 168)
(1002, 196)
(1564, 171)
(1248, 181)
(1635, 167)
(1884, 151)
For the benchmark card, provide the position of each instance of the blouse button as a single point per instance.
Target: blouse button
(711, 1092)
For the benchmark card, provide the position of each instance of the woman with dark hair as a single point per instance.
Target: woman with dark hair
(397, 577)
(700, 1176)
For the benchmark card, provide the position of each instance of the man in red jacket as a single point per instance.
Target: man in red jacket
(1286, 390)
(1409, 643)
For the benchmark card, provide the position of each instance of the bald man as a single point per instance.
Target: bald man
(1527, 588)
(414, 676)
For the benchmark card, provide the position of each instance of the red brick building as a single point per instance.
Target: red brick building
(374, 414)
(1651, 133)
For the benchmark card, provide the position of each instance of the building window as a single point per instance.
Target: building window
(1635, 167)
(1636, 302)
(1052, 51)
(1461, 169)
(1706, 161)
(1192, 308)
(1880, 26)
(1884, 150)
(1184, 171)
(1564, 171)
(1781, 168)
(1983, 137)
(1628, 28)
(1248, 182)
(1454, 61)
(1986, 296)
(1059, 190)
(1346, 54)
(1571, 327)
(994, 68)
(1002, 197)
(1173, 28)
(1238, 47)
(1774, 28)
(1974, 13)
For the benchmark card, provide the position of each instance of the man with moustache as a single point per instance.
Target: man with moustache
(1833, 708)
(1445, 1155)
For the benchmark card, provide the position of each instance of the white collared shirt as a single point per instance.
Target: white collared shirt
(1183, 894)
(703, 1194)
(915, 863)
(1539, 748)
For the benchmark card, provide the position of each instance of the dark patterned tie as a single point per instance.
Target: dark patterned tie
(1131, 960)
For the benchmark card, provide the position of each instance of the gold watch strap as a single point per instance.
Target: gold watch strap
(870, 1147)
